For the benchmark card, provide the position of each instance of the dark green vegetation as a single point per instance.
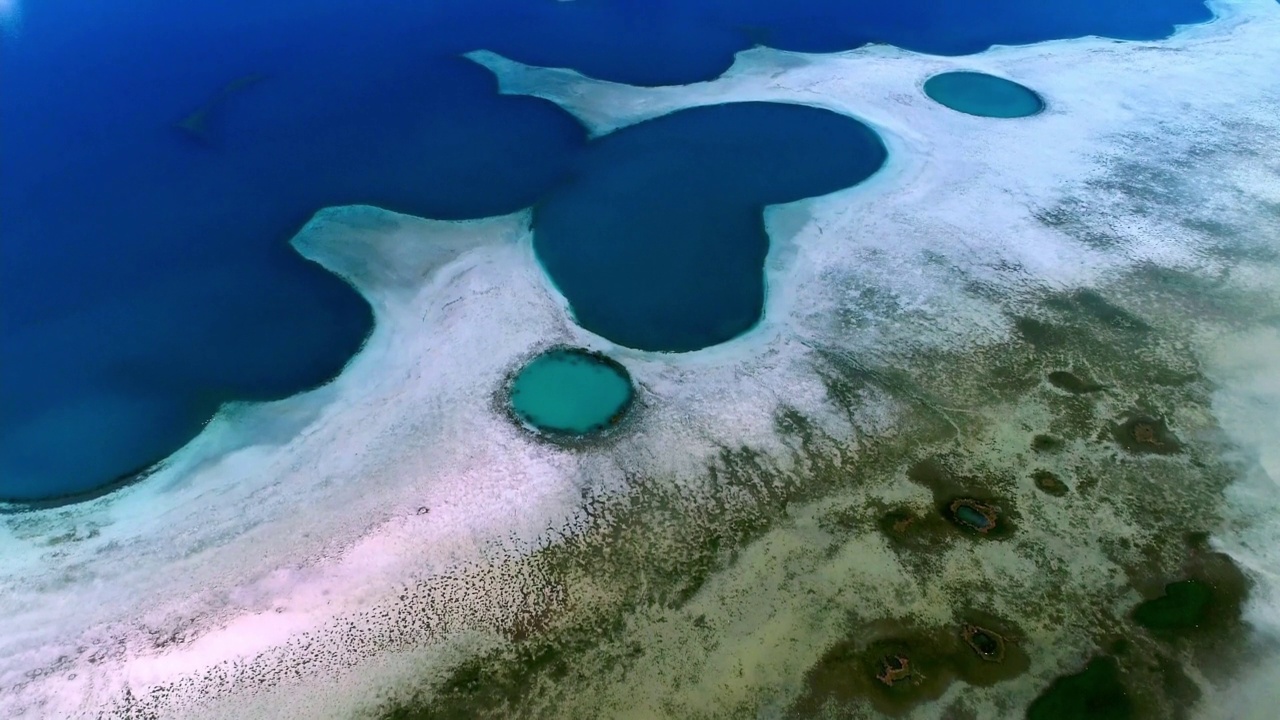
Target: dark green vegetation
(1141, 434)
(1072, 383)
(968, 503)
(1045, 443)
(1140, 677)
(1183, 606)
(1050, 483)
(1203, 604)
(1095, 693)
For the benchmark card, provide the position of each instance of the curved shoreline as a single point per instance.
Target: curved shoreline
(144, 667)
(13, 506)
(17, 507)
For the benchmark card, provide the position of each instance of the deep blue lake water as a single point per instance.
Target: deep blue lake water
(155, 158)
(690, 274)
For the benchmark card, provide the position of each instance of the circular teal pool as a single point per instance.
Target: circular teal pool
(571, 392)
(983, 95)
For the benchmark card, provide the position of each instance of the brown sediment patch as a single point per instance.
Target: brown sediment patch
(1049, 483)
(906, 529)
(1144, 434)
(895, 665)
(890, 665)
(992, 649)
(894, 669)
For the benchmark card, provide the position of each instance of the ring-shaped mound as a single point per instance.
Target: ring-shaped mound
(570, 392)
(983, 95)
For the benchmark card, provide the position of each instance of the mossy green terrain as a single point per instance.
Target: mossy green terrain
(798, 582)
(793, 580)
(1094, 693)
(1184, 605)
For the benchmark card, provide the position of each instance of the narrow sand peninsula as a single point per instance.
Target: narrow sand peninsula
(350, 547)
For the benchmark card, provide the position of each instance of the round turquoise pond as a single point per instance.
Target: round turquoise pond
(983, 95)
(568, 391)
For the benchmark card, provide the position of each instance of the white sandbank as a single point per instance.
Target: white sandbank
(279, 543)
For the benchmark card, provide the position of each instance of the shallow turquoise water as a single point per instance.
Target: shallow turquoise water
(972, 517)
(570, 392)
(983, 95)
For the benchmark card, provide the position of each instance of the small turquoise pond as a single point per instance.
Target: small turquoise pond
(568, 391)
(983, 95)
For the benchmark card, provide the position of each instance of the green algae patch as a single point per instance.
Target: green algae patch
(1095, 693)
(1142, 434)
(1184, 605)
(1091, 303)
(1072, 383)
(1040, 334)
(1046, 443)
(1049, 483)
(678, 594)
(1204, 605)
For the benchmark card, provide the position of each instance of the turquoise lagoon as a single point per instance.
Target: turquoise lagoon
(571, 392)
(983, 95)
